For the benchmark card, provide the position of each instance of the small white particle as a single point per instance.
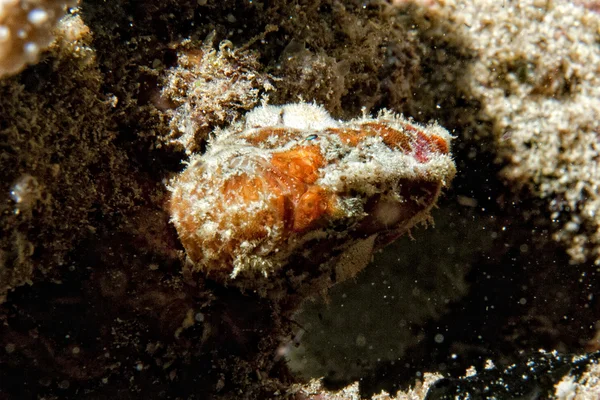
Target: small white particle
(4, 33)
(37, 16)
(31, 51)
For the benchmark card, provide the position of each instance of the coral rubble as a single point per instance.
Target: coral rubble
(535, 376)
(580, 385)
(315, 389)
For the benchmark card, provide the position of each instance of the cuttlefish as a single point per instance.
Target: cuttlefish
(292, 199)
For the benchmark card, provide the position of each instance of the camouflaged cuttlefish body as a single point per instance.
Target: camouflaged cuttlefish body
(294, 195)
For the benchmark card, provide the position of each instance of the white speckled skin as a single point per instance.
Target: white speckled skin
(293, 195)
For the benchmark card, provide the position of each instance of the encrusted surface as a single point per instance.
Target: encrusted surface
(294, 187)
(536, 75)
(208, 88)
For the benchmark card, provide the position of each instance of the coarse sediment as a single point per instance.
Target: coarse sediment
(536, 73)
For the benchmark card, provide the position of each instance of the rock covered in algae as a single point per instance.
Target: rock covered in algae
(294, 193)
(209, 88)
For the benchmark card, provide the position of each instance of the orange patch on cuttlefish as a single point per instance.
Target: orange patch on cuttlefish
(254, 200)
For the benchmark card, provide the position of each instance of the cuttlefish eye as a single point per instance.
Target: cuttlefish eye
(312, 137)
